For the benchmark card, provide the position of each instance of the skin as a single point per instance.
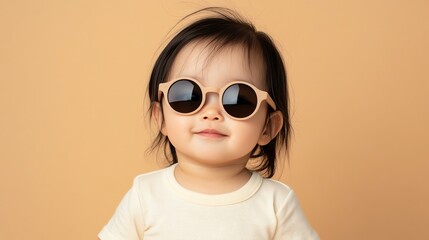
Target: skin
(212, 148)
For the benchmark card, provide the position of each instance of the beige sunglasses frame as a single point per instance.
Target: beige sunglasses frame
(260, 96)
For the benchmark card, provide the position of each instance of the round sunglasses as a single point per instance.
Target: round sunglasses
(239, 100)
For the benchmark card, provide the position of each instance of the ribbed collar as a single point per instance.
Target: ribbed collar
(242, 194)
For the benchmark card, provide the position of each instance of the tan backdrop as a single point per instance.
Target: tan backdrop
(73, 134)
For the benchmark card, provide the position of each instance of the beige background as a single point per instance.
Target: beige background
(72, 126)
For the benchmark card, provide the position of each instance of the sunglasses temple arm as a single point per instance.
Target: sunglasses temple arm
(161, 89)
(270, 102)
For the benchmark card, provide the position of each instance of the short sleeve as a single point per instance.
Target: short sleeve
(292, 223)
(127, 221)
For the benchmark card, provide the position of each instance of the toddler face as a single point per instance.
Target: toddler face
(210, 136)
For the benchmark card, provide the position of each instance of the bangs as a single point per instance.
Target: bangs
(251, 50)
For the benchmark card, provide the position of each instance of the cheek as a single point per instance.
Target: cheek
(247, 133)
(175, 124)
(170, 120)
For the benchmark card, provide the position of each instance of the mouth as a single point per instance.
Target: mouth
(211, 133)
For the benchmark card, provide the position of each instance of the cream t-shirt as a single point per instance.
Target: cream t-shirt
(158, 207)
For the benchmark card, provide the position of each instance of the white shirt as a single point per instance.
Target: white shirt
(158, 207)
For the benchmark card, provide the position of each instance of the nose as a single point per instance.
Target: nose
(211, 109)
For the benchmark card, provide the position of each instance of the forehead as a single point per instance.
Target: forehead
(217, 65)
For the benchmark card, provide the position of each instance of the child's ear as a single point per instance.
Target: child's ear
(159, 117)
(272, 128)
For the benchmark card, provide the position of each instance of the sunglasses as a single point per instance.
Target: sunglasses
(239, 100)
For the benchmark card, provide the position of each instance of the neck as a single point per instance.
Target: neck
(211, 179)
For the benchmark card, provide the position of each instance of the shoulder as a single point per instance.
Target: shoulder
(150, 175)
(276, 187)
(292, 223)
(150, 179)
(281, 195)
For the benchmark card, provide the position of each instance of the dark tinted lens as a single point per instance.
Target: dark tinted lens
(239, 100)
(184, 96)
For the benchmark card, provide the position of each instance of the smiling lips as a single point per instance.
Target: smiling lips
(211, 133)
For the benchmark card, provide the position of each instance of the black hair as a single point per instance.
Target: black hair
(225, 28)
